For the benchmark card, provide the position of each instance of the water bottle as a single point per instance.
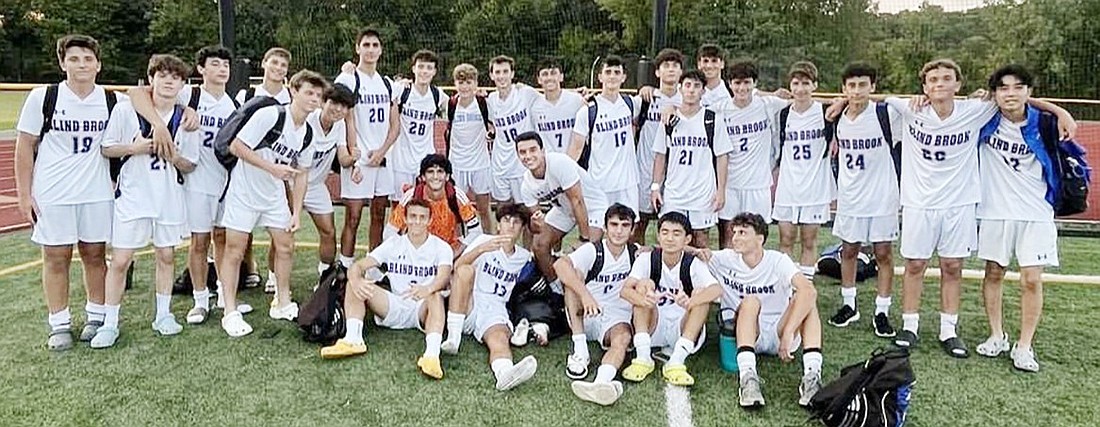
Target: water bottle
(727, 343)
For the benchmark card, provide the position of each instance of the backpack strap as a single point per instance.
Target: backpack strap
(49, 104)
(709, 119)
(358, 83)
(882, 112)
(385, 81)
(830, 127)
(643, 115)
(685, 273)
(586, 152)
(786, 111)
(276, 131)
(728, 88)
(196, 95)
(632, 252)
(437, 94)
(452, 202)
(249, 93)
(404, 98)
(111, 99)
(483, 106)
(597, 264)
(452, 106)
(655, 266)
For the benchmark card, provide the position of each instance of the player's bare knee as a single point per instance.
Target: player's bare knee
(849, 250)
(1031, 280)
(165, 257)
(951, 267)
(915, 266)
(619, 338)
(92, 251)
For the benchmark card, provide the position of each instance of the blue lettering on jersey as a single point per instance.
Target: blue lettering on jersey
(1008, 147)
(806, 135)
(747, 288)
(859, 144)
(417, 114)
(689, 141)
(511, 120)
(91, 126)
(411, 270)
(211, 121)
(553, 125)
(612, 125)
(499, 273)
(747, 128)
(938, 140)
(369, 98)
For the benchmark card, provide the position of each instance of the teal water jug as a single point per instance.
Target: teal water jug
(727, 343)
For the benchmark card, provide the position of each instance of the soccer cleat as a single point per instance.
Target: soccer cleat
(252, 280)
(955, 348)
(576, 368)
(286, 312)
(60, 340)
(883, 328)
(603, 394)
(167, 325)
(90, 329)
(517, 374)
(197, 315)
(844, 317)
(638, 370)
(1024, 359)
(344, 348)
(677, 375)
(234, 325)
(993, 346)
(270, 285)
(808, 388)
(429, 366)
(105, 337)
(749, 394)
(521, 333)
(906, 339)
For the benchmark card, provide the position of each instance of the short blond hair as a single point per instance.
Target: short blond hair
(941, 63)
(464, 72)
(277, 51)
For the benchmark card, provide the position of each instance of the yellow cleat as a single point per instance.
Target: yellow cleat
(342, 349)
(638, 370)
(430, 367)
(677, 375)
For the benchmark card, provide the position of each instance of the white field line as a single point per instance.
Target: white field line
(678, 406)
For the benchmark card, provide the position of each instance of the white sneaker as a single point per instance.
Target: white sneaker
(603, 394)
(270, 285)
(286, 312)
(518, 374)
(1024, 359)
(576, 367)
(242, 307)
(993, 346)
(521, 333)
(233, 323)
(541, 332)
(197, 315)
(449, 346)
(167, 325)
(808, 388)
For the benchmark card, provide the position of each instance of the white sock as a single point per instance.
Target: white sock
(849, 296)
(500, 366)
(947, 326)
(110, 316)
(605, 374)
(164, 303)
(202, 298)
(882, 305)
(271, 277)
(746, 363)
(641, 347)
(60, 320)
(321, 267)
(432, 341)
(454, 327)
(680, 351)
(354, 333)
(94, 311)
(910, 321)
(808, 271)
(345, 261)
(580, 345)
(811, 363)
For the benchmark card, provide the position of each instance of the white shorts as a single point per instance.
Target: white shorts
(505, 189)
(484, 316)
(478, 182)
(1035, 243)
(204, 211)
(595, 328)
(700, 220)
(318, 201)
(645, 205)
(377, 182)
(767, 342)
(244, 219)
(668, 331)
(403, 313)
(63, 225)
(815, 214)
(950, 232)
(872, 229)
(563, 220)
(739, 201)
(137, 233)
(402, 181)
(628, 198)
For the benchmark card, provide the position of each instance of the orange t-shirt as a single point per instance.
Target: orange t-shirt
(443, 223)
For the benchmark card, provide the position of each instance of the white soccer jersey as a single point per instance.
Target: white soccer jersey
(670, 281)
(939, 158)
(512, 116)
(1013, 187)
(770, 281)
(416, 139)
(690, 179)
(613, 160)
(554, 121)
(651, 130)
(68, 168)
(562, 173)
(324, 147)
(253, 187)
(407, 264)
(147, 185)
(805, 177)
(372, 113)
(752, 134)
(209, 175)
(716, 95)
(283, 96)
(608, 284)
(495, 273)
(867, 183)
(469, 149)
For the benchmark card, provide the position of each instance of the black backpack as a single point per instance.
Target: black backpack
(597, 264)
(1073, 171)
(322, 318)
(184, 284)
(532, 299)
(593, 111)
(829, 264)
(237, 120)
(874, 393)
(655, 268)
(452, 105)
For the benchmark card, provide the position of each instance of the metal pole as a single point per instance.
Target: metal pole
(227, 34)
(660, 25)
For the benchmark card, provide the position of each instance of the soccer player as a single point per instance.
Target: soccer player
(750, 123)
(468, 141)
(806, 186)
(368, 180)
(454, 218)
(484, 277)
(867, 194)
(670, 66)
(329, 133)
(149, 202)
(671, 296)
(276, 62)
(63, 184)
(711, 60)
(414, 131)
(690, 165)
(609, 140)
(257, 194)
(576, 198)
(510, 106)
(758, 286)
(556, 110)
(593, 277)
(418, 265)
(1018, 179)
